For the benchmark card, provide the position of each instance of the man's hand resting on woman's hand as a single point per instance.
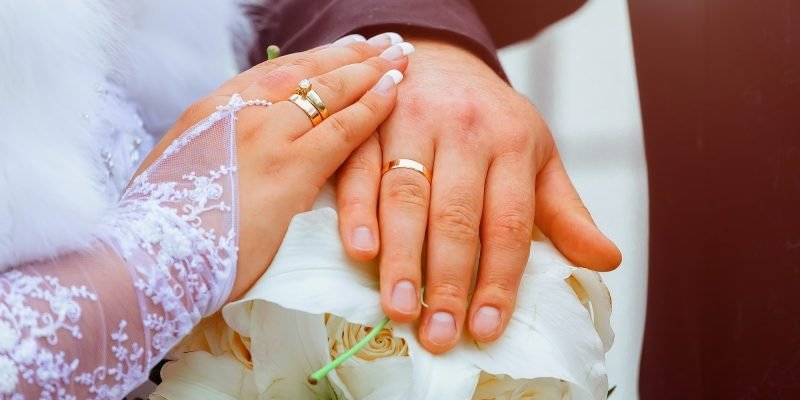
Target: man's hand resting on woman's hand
(496, 173)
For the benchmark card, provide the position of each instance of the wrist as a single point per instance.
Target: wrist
(441, 63)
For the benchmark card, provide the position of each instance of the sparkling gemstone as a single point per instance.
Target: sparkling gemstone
(305, 84)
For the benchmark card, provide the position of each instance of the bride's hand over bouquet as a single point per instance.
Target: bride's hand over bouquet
(197, 225)
(283, 157)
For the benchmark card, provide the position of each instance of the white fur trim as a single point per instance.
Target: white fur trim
(53, 55)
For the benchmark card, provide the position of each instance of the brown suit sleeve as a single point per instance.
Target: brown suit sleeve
(479, 25)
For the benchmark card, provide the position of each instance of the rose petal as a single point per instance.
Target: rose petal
(199, 375)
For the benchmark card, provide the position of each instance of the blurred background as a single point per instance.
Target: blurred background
(708, 93)
(581, 75)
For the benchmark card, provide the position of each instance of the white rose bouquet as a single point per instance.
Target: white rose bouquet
(312, 328)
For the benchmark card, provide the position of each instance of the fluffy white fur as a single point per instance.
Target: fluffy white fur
(52, 57)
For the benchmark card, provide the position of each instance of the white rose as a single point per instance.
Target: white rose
(343, 335)
(494, 387)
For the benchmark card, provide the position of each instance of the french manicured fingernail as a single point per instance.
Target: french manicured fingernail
(486, 321)
(404, 297)
(348, 39)
(398, 51)
(441, 328)
(385, 40)
(387, 81)
(362, 238)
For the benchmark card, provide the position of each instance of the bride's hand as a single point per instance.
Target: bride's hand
(282, 160)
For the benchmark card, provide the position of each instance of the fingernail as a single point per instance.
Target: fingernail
(385, 40)
(362, 238)
(441, 328)
(348, 39)
(387, 81)
(404, 297)
(486, 321)
(397, 51)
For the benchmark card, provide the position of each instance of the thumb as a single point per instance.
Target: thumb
(562, 216)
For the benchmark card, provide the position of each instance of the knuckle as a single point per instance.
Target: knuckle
(570, 204)
(341, 128)
(372, 106)
(465, 112)
(333, 82)
(500, 288)
(362, 50)
(274, 78)
(510, 229)
(446, 291)
(458, 220)
(517, 139)
(375, 65)
(350, 203)
(464, 108)
(307, 63)
(358, 164)
(408, 192)
(266, 66)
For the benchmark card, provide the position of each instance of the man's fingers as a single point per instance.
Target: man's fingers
(561, 215)
(506, 228)
(357, 197)
(403, 215)
(453, 229)
(328, 145)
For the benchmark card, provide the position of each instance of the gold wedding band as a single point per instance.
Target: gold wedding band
(317, 102)
(308, 108)
(305, 90)
(408, 164)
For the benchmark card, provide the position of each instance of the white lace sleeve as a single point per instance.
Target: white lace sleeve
(90, 325)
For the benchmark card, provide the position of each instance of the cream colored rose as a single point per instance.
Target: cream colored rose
(343, 335)
(494, 387)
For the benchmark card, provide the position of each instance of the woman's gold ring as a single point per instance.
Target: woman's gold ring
(308, 108)
(306, 90)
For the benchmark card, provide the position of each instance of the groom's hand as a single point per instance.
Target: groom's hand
(496, 173)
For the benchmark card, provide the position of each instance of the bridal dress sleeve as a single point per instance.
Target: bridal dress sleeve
(90, 325)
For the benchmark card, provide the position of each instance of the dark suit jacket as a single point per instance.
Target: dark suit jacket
(720, 92)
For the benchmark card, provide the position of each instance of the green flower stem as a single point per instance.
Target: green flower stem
(324, 371)
(273, 52)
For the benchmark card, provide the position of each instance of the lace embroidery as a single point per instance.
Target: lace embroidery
(22, 325)
(175, 233)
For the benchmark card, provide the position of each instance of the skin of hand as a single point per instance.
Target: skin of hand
(496, 173)
(282, 161)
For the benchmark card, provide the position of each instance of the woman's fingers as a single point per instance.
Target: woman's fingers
(357, 185)
(506, 229)
(328, 145)
(337, 89)
(279, 76)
